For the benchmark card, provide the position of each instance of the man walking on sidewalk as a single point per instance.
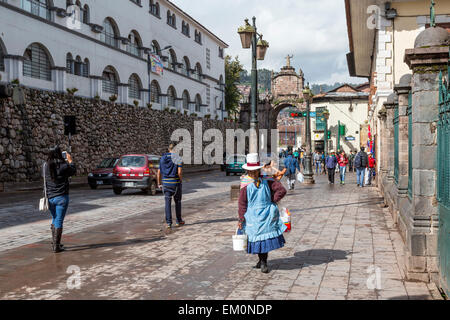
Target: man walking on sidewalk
(291, 164)
(331, 163)
(170, 176)
(361, 163)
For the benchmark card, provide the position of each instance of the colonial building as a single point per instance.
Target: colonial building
(348, 107)
(402, 48)
(102, 48)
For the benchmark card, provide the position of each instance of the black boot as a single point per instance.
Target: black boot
(58, 247)
(53, 236)
(264, 268)
(258, 265)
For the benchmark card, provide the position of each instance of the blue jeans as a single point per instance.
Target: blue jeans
(318, 167)
(342, 170)
(58, 208)
(360, 175)
(176, 192)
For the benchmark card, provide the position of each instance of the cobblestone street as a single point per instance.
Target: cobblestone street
(343, 246)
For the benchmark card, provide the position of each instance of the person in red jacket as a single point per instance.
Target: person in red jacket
(371, 166)
(343, 162)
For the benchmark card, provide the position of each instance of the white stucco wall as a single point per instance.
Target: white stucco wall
(19, 30)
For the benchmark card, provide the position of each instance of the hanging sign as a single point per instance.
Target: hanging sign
(156, 65)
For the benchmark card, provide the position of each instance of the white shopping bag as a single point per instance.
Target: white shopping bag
(366, 177)
(300, 177)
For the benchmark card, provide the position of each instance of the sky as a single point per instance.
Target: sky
(315, 32)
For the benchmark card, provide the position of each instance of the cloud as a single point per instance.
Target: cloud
(315, 32)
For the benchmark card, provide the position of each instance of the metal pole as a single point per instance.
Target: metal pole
(309, 174)
(149, 63)
(254, 120)
(339, 137)
(325, 138)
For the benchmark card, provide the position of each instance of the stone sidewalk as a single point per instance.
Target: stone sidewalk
(343, 246)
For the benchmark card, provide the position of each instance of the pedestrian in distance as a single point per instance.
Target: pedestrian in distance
(351, 161)
(170, 179)
(343, 162)
(331, 163)
(361, 163)
(317, 161)
(371, 167)
(57, 170)
(259, 216)
(291, 164)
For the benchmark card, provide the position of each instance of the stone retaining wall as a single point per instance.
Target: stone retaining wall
(104, 129)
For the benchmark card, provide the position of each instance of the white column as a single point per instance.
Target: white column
(96, 86)
(123, 93)
(13, 68)
(59, 79)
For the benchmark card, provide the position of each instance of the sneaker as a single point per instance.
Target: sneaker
(168, 226)
(180, 224)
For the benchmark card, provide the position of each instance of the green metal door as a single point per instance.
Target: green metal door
(396, 144)
(443, 167)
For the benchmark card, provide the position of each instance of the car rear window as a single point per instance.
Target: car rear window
(132, 162)
(239, 159)
(107, 163)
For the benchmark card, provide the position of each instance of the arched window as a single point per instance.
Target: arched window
(70, 64)
(154, 8)
(134, 44)
(86, 14)
(198, 71)
(198, 103)
(186, 66)
(171, 96)
(155, 92)
(86, 66)
(78, 66)
(172, 60)
(37, 63)
(110, 81)
(40, 8)
(134, 87)
(186, 100)
(110, 33)
(2, 59)
(185, 28)
(156, 49)
(198, 37)
(171, 19)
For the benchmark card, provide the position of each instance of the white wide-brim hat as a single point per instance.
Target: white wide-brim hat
(253, 162)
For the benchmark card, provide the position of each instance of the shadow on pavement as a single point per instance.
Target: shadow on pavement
(215, 221)
(309, 258)
(368, 202)
(112, 244)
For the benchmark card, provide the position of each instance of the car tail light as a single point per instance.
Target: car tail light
(146, 173)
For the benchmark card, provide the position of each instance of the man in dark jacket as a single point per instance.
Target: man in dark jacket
(291, 165)
(170, 177)
(331, 163)
(361, 163)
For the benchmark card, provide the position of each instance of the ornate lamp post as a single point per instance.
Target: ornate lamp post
(249, 39)
(309, 174)
(326, 115)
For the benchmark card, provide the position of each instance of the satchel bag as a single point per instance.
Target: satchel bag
(43, 203)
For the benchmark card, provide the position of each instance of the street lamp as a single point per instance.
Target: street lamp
(249, 39)
(309, 174)
(149, 65)
(326, 115)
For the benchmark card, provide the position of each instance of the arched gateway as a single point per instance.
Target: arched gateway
(286, 92)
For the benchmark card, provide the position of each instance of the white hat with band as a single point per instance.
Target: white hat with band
(253, 162)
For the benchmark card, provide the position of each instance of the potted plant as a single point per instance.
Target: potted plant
(149, 105)
(136, 103)
(72, 91)
(207, 116)
(113, 98)
(185, 112)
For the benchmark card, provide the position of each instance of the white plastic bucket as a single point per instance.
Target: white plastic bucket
(240, 242)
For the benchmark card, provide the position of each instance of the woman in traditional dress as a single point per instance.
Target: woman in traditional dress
(258, 213)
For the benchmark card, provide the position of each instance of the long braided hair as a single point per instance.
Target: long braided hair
(54, 160)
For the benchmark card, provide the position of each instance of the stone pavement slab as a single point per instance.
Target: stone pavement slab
(343, 246)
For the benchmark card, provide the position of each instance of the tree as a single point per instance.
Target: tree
(233, 69)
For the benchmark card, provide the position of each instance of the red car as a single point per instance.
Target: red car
(103, 174)
(136, 171)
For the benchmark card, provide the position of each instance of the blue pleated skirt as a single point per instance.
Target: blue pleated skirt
(266, 246)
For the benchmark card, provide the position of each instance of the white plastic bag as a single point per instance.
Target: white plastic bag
(240, 241)
(366, 177)
(300, 177)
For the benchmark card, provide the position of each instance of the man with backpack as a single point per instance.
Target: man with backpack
(291, 165)
(361, 163)
(331, 163)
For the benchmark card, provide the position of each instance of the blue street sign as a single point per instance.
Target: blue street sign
(350, 138)
(313, 114)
